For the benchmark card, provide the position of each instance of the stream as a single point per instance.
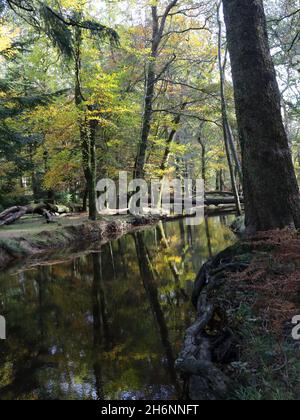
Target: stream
(107, 325)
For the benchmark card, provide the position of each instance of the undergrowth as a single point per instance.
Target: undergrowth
(266, 297)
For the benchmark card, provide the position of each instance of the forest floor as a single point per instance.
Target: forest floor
(247, 297)
(32, 237)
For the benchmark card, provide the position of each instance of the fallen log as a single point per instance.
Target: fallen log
(220, 211)
(213, 201)
(220, 193)
(11, 215)
(222, 201)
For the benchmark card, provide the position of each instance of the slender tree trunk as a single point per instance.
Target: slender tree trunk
(209, 245)
(218, 188)
(222, 180)
(182, 233)
(234, 151)
(84, 200)
(226, 128)
(203, 160)
(220, 183)
(171, 139)
(167, 153)
(270, 187)
(36, 190)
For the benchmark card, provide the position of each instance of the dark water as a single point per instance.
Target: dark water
(106, 325)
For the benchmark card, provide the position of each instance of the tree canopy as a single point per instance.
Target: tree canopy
(107, 54)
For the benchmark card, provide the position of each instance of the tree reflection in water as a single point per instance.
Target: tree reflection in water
(149, 282)
(106, 325)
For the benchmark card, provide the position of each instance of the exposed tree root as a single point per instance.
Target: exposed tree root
(209, 343)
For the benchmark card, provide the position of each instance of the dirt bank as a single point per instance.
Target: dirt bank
(241, 346)
(30, 238)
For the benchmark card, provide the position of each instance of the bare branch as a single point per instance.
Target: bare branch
(165, 68)
(190, 87)
(165, 16)
(294, 41)
(24, 5)
(170, 111)
(184, 11)
(183, 31)
(285, 17)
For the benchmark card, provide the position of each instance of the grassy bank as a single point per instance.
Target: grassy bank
(246, 299)
(31, 236)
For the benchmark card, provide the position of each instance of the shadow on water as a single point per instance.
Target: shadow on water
(106, 325)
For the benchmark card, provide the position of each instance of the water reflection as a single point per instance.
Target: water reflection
(106, 325)
(148, 276)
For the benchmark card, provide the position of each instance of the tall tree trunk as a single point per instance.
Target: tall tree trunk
(218, 188)
(270, 186)
(92, 187)
(87, 133)
(149, 96)
(226, 127)
(146, 123)
(158, 27)
(89, 164)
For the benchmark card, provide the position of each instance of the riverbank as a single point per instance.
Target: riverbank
(241, 345)
(31, 237)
